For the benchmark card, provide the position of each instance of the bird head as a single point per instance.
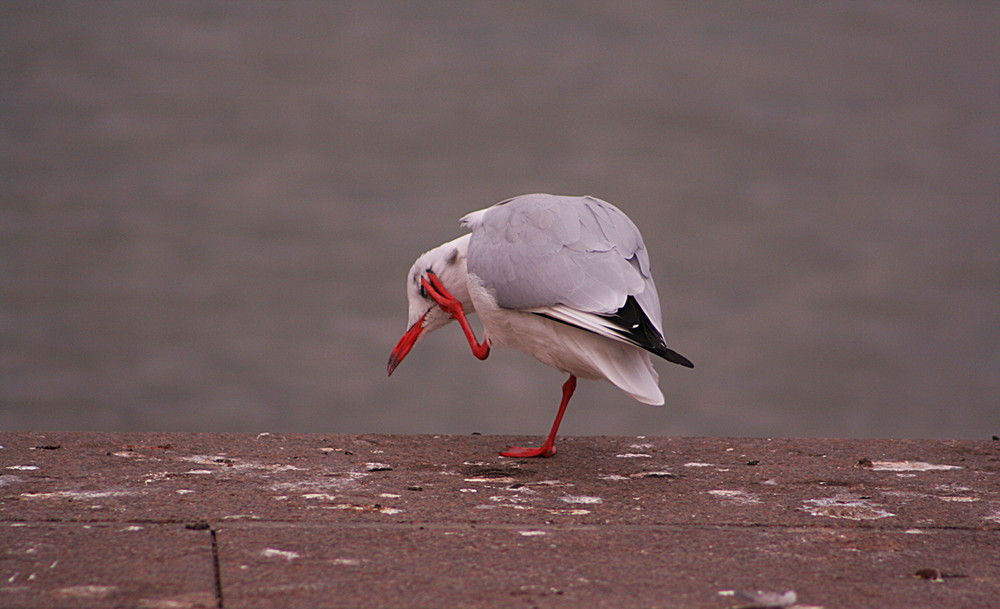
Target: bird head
(443, 266)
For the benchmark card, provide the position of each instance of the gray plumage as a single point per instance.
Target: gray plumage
(542, 250)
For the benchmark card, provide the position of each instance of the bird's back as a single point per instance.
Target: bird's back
(580, 264)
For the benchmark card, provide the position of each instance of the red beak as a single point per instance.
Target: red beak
(405, 344)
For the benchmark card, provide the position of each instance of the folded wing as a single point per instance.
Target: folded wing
(576, 260)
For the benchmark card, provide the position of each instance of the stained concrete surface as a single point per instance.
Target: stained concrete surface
(268, 520)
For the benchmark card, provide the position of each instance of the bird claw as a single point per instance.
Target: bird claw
(453, 306)
(524, 452)
(436, 290)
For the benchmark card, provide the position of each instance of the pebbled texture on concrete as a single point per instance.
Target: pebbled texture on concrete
(270, 520)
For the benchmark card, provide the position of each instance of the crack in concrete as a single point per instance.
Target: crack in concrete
(217, 568)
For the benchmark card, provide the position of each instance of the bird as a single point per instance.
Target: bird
(565, 279)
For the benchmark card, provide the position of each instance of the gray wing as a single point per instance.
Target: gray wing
(538, 251)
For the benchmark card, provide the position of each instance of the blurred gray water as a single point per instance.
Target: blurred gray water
(208, 209)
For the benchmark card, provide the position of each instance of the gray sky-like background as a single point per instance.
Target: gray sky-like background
(208, 209)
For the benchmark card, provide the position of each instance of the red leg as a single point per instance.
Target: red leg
(549, 447)
(452, 305)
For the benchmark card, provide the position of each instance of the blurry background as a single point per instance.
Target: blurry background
(207, 209)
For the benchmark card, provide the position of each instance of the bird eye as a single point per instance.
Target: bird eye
(423, 291)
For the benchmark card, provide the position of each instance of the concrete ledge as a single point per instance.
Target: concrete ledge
(270, 520)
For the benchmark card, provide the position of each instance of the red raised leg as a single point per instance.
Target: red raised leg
(452, 305)
(549, 447)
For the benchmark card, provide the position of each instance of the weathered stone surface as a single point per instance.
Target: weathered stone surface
(421, 521)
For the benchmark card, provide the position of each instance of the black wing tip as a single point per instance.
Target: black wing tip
(675, 358)
(635, 327)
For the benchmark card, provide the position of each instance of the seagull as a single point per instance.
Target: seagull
(564, 279)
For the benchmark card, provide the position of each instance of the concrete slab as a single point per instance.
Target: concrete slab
(610, 566)
(352, 520)
(112, 564)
